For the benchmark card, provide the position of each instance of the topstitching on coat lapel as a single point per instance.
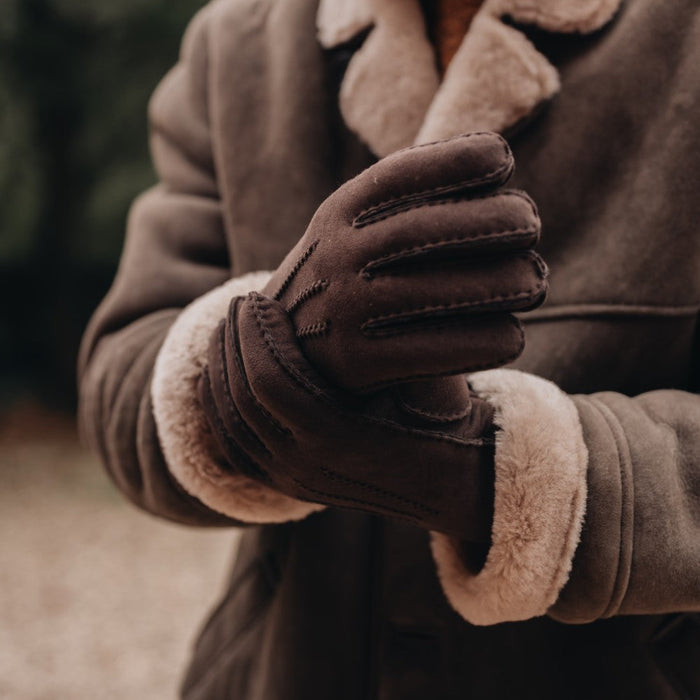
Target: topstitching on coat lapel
(391, 95)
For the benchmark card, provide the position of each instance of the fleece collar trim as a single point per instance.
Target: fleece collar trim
(392, 96)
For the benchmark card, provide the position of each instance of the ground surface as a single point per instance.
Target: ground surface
(97, 600)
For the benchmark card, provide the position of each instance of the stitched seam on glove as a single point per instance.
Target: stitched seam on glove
(314, 330)
(375, 325)
(366, 217)
(378, 489)
(434, 417)
(372, 507)
(231, 447)
(442, 437)
(241, 369)
(469, 368)
(471, 134)
(306, 294)
(295, 270)
(417, 251)
(314, 390)
(228, 396)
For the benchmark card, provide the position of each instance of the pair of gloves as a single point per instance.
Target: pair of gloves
(341, 382)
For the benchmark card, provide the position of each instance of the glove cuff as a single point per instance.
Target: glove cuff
(540, 496)
(190, 449)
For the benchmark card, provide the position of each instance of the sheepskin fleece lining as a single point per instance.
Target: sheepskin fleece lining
(391, 95)
(391, 81)
(541, 461)
(188, 445)
(494, 60)
(338, 22)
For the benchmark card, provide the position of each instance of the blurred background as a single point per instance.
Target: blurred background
(96, 599)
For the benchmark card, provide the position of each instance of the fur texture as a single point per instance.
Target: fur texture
(339, 21)
(496, 78)
(541, 462)
(390, 82)
(187, 443)
(391, 95)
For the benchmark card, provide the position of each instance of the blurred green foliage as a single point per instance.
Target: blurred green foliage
(75, 78)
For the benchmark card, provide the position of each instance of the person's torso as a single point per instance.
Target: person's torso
(343, 605)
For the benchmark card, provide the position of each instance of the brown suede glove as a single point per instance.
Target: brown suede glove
(409, 271)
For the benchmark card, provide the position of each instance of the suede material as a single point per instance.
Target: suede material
(183, 431)
(278, 422)
(653, 562)
(417, 265)
(613, 164)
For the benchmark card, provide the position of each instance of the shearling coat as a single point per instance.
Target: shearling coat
(592, 584)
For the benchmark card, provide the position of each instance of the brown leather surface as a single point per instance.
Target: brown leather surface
(413, 268)
(408, 272)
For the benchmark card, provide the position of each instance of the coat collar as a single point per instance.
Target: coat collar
(391, 95)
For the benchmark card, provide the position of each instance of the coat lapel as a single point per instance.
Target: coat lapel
(392, 96)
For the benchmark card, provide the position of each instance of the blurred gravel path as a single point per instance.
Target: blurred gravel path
(97, 600)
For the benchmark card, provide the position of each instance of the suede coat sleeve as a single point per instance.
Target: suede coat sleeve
(597, 506)
(175, 251)
(640, 544)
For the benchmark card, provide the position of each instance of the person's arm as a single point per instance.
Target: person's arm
(175, 253)
(597, 507)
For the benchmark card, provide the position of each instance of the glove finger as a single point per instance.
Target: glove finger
(464, 163)
(287, 386)
(396, 303)
(239, 436)
(237, 456)
(255, 375)
(434, 349)
(504, 221)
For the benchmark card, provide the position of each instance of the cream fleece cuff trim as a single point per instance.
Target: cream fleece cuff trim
(541, 461)
(496, 78)
(188, 445)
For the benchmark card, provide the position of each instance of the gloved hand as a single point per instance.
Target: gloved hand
(409, 271)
